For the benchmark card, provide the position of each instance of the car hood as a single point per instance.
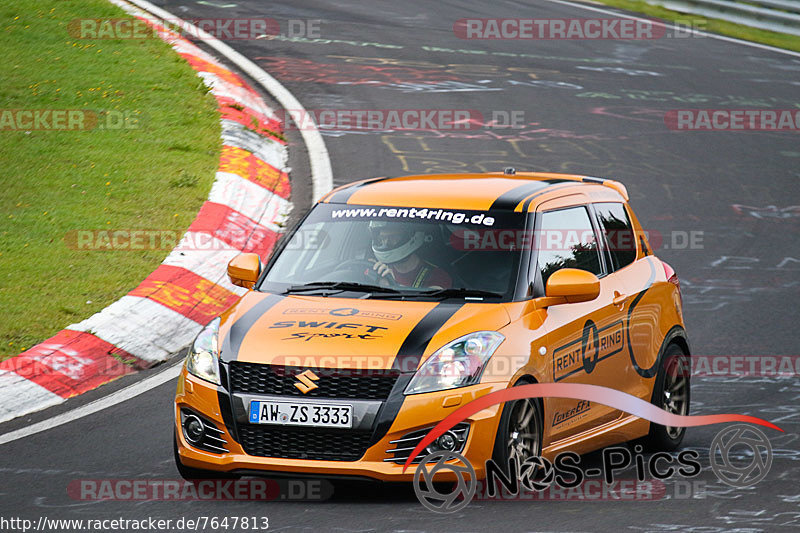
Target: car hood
(328, 332)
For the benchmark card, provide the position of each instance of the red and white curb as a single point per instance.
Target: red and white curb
(249, 197)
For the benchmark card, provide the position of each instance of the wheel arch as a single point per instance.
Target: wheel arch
(677, 336)
(531, 379)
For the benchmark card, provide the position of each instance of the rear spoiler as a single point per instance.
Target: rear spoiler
(617, 186)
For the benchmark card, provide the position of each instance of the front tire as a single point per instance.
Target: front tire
(519, 434)
(671, 392)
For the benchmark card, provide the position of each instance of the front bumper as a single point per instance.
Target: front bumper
(417, 412)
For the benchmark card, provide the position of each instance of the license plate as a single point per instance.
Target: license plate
(301, 414)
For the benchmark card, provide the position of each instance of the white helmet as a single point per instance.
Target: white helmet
(394, 242)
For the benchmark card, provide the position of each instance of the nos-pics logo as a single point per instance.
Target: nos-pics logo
(458, 483)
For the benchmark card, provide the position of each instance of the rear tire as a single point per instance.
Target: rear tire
(520, 431)
(196, 474)
(671, 392)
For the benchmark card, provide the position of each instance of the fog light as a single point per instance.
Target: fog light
(194, 429)
(448, 441)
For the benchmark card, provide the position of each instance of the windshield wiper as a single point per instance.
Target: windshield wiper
(363, 287)
(460, 293)
(340, 285)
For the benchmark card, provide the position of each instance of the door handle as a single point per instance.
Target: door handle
(619, 299)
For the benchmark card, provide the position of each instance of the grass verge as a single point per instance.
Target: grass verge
(780, 40)
(150, 167)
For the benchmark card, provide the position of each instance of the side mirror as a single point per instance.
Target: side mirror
(243, 270)
(571, 285)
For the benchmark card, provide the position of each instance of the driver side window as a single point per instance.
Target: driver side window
(566, 239)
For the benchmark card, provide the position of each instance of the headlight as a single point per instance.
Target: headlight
(203, 358)
(457, 364)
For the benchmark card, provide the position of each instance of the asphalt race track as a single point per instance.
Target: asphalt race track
(591, 107)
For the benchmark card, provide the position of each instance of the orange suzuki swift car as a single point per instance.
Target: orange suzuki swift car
(396, 300)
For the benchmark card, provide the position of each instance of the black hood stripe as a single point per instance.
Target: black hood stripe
(407, 360)
(240, 328)
(414, 345)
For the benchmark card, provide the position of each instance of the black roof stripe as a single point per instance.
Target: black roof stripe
(511, 199)
(342, 196)
(528, 202)
(530, 198)
(508, 200)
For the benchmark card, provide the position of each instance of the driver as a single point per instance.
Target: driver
(395, 247)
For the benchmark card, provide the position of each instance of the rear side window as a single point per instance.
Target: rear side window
(616, 226)
(566, 240)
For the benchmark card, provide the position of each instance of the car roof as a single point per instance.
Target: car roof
(508, 190)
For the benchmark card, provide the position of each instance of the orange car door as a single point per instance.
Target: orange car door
(585, 340)
(631, 276)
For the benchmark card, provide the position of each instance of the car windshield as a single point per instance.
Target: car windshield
(400, 252)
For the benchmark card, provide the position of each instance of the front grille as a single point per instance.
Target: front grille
(320, 444)
(406, 444)
(254, 378)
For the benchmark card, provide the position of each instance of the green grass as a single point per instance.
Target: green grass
(154, 175)
(780, 40)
